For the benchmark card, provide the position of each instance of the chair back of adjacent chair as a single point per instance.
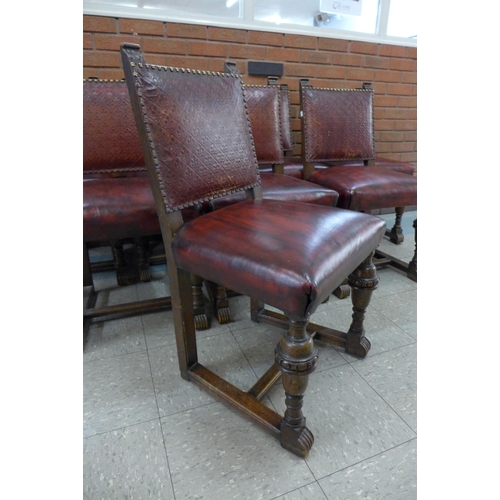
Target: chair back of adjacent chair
(264, 111)
(202, 119)
(111, 145)
(337, 124)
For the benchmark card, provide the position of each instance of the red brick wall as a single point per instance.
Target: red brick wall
(327, 62)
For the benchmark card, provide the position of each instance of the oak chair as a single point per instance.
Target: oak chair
(198, 146)
(337, 127)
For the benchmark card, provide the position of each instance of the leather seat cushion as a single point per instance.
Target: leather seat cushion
(118, 208)
(290, 255)
(397, 166)
(294, 168)
(368, 188)
(283, 187)
(122, 208)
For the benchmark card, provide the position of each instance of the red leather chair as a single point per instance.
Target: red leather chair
(264, 111)
(118, 204)
(337, 131)
(198, 146)
(291, 167)
(111, 152)
(294, 166)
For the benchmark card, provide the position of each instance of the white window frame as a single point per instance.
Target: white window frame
(248, 23)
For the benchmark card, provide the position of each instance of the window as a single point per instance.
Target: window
(383, 21)
(403, 18)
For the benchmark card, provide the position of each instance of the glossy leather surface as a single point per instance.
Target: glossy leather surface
(118, 208)
(368, 188)
(283, 187)
(289, 255)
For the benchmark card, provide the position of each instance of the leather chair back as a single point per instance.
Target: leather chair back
(111, 145)
(264, 112)
(202, 159)
(337, 124)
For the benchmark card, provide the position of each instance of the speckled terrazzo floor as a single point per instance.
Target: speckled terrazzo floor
(147, 433)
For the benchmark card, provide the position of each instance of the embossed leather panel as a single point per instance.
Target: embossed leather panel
(110, 140)
(338, 124)
(368, 188)
(289, 255)
(199, 154)
(264, 113)
(283, 187)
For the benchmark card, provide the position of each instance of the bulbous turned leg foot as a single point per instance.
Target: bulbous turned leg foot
(396, 233)
(363, 281)
(296, 357)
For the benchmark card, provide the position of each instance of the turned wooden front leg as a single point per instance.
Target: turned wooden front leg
(362, 281)
(296, 357)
